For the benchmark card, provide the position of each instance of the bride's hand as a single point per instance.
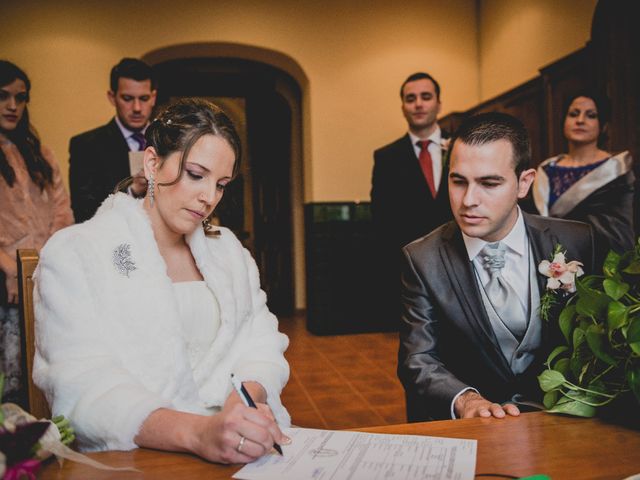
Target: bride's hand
(238, 434)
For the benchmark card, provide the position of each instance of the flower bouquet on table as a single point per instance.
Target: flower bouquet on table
(599, 360)
(25, 442)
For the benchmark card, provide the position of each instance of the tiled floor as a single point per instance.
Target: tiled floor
(342, 381)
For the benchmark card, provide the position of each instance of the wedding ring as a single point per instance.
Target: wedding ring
(239, 447)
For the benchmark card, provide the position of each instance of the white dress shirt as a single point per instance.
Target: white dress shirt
(435, 149)
(134, 146)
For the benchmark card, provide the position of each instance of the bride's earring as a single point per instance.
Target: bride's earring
(151, 189)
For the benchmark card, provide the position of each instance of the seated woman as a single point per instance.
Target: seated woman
(589, 184)
(141, 317)
(33, 205)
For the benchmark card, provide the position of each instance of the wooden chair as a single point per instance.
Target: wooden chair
(27, 261)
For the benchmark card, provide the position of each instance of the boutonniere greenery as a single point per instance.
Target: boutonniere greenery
(599, 360)
(445, 143)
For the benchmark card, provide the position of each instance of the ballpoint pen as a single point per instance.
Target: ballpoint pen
(248, 401)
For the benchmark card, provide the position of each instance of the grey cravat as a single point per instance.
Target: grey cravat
(502, 296)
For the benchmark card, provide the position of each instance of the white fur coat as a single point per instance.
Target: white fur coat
(109, 346)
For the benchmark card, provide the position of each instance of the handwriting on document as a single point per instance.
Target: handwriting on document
(339, 455)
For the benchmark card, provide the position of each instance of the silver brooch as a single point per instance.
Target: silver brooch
(122, 259)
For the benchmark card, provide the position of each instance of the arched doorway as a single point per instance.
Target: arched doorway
(264, 101)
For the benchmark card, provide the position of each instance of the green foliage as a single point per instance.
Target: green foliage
(67, 434)
(551, 380)
(610, 267)
(573, 407)
(615, 289)
(600, 323)
(617, 315)
(566, 321)
(547, 302)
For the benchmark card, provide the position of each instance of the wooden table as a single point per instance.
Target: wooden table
(561, 447)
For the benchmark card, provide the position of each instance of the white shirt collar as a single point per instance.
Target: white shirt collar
(435, 137)
(516, 239)
(126, 133)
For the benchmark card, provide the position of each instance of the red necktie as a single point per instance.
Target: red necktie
(427, 165)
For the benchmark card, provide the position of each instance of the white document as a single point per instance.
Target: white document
(339, 455)
(136, 162)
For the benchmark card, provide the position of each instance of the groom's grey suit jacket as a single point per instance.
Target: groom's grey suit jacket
(446, 339)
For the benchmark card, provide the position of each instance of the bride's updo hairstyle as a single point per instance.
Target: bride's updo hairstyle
(179, 127)
(182, 124)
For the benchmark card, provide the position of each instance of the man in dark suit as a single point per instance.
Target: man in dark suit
(409, 187)
(471, 339)
(99, 159)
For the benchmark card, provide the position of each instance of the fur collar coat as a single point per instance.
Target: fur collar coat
(109, 345)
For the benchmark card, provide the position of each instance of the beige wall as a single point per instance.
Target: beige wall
(517, 37)
(355, 59)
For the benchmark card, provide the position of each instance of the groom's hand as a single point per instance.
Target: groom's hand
(471, 404)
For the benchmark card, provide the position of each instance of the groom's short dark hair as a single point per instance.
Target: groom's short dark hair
(131, 68)
(493, 126)
(420, 76)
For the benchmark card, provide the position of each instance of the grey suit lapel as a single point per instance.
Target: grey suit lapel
(456, 260)
(543, 241)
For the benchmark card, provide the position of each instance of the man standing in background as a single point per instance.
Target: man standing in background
(99, 159)
(409, 187)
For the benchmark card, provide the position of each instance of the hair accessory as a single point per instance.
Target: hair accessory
(150, 188)
(162, 121)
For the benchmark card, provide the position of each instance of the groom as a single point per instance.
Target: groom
(471, 339)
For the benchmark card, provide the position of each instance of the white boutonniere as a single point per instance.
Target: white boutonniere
(561, 278)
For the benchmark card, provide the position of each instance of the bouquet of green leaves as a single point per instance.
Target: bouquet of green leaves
(599, 361)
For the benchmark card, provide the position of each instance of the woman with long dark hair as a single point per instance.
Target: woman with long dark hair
(588, 183)
(33, 205)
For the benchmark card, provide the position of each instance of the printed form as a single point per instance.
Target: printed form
(339, 455)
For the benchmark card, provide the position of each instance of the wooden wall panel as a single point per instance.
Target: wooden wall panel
(539, 104)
